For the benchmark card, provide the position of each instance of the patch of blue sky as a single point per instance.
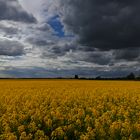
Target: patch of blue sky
(58, 27)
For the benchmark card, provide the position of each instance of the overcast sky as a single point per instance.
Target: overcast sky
(53, 38)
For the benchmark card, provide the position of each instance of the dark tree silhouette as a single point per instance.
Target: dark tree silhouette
(131, 76)
(76, 77)
(98, 78)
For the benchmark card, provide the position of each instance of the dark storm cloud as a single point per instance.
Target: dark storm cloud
(127, 54)
(103, 24)
(11, 48)
(11, 10)
(98, 58)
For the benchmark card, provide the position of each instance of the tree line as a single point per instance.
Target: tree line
(130, 76)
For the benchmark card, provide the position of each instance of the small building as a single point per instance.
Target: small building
(76, 77)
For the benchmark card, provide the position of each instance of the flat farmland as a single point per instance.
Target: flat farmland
(69, 110)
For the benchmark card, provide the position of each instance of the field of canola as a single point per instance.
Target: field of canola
(69, 110)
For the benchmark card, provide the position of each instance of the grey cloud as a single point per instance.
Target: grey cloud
(101, 58)
(54, 50)
(11, 10)
(127, 54)
(77, 53)
(103, 24)
(37, 41)
(8, 30)
(40, 35)
(44, 27)
(92, 58)
(61, 50)
(11, 48)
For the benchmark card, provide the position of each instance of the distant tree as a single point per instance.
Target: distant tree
(76, 77)
(98, 78)
(131, 76)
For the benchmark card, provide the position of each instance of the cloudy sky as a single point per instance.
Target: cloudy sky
(52, 38)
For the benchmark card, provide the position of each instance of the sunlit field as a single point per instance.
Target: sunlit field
(69, 110)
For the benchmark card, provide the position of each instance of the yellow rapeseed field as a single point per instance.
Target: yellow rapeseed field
(69, 110)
